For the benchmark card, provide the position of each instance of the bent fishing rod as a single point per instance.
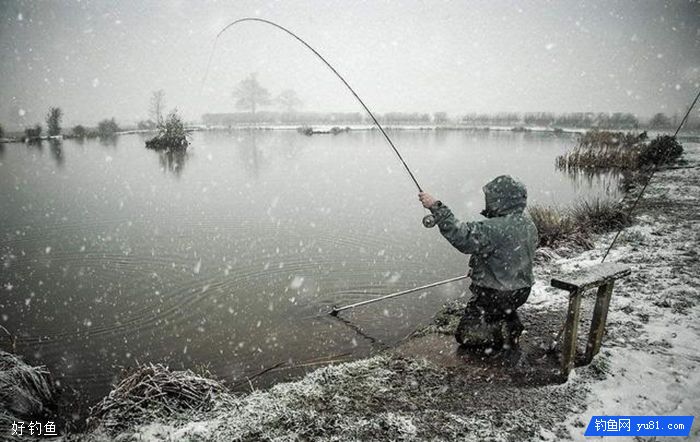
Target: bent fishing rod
(428, 220)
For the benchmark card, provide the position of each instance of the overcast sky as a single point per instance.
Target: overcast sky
(98, 59)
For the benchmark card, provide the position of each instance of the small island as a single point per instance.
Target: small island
(171, 136)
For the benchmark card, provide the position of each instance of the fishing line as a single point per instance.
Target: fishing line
(369, 112)
(646, 184)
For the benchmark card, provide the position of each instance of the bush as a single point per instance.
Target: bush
(32, 133)
(335, 130)
(107, 128)
(79, 131)
(171, 134)
(664, 149)
(305, 130)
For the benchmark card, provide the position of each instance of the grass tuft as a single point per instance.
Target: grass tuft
(574, 226)
(599, 215)
(25, 391)
(154, 392)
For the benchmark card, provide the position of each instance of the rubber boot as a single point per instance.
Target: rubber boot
(511, 331)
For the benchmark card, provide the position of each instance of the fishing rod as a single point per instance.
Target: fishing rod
(337, 310)
(428, 220)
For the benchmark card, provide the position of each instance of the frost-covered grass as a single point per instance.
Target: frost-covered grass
(25, 391)
(152, 391)
(382, 398)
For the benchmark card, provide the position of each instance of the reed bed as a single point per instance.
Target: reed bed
(603, 149)
(619, 150)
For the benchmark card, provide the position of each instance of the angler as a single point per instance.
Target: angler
(502, 249)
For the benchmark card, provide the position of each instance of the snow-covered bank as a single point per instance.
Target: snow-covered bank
(647, 365)
(653, 325)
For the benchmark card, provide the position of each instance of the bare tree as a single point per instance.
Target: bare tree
(157, 106)
(249, 94)
(53, 121)
(440, 117)
(288, 100)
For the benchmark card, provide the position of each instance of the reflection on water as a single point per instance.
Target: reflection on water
(109, 140)
(250, 153)
(56, 152)
(173, 161)
(608, 181)
(235, 255)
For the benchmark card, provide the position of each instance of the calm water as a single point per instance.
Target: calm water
(230, 255)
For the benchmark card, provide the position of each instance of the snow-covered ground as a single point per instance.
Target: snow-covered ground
(653, 333)
(648, 363)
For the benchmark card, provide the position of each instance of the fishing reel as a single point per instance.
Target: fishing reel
(429, 221)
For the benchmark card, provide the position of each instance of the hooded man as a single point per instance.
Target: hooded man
(502, 249)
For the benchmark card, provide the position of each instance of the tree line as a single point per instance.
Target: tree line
(250, 97)
(105, 128)
(603, 120)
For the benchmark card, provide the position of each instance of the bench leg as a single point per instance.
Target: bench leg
(600, 314)
(568, 351)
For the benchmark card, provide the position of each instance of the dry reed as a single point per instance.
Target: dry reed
(152, 392)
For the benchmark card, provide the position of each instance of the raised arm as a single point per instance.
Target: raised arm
(467, 237)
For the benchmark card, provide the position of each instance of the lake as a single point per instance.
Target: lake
(230, 257)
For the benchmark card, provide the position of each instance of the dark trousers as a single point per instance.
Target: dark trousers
(491, 319)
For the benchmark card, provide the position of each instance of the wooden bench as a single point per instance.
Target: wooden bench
(603, 277)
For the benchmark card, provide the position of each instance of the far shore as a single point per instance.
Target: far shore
(323, 129)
